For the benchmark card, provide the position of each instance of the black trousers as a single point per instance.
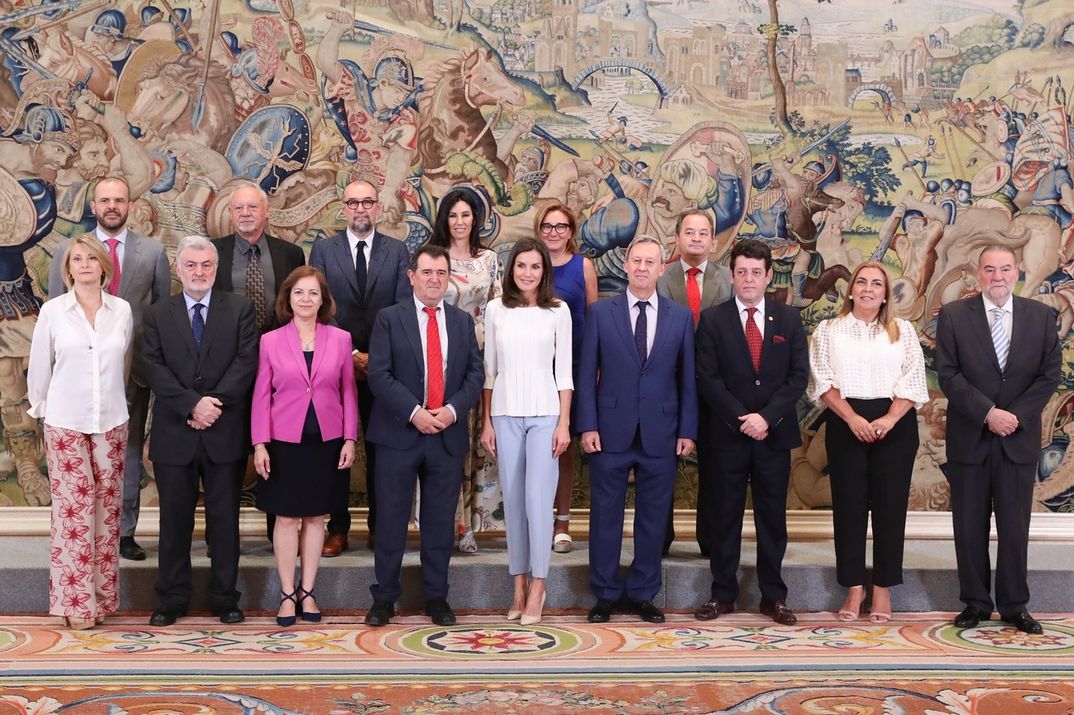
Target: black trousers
(977, 490)
(340, 522)
(178, 489)
(870, 478)
(765, 471)
(440, 474)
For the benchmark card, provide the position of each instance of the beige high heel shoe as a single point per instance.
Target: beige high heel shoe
(527, 620)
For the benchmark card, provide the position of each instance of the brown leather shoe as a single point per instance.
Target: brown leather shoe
(713, 609)
(334, 545)
(778, 612)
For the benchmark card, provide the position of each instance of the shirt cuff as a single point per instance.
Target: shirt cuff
(454, 414)
(414, 412)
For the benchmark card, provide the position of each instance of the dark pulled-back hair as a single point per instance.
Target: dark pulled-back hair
(512, 294)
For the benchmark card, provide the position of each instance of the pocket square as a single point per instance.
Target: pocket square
(778, 339)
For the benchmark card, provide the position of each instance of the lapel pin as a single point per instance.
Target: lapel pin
(771, 318)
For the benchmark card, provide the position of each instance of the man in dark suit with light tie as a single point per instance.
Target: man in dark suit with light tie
(637, 410)
(697, 283)
(994, 401)
(141, 279)
(426, 372)
(752, 367)
(201, 360)
(366, 272)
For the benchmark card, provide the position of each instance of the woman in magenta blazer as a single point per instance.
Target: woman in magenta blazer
(306, 370)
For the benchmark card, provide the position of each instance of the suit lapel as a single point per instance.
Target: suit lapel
(1018, 328)
(626, 326)
(129, 265)
(213, 321)
(376, 257)
(319, 351)
(735, 328)
(676, 280)
(182, 324)
(413, 334)
(341, 251)
(979, 326)
(225, 258)
(293, 347)
(663, 327)
(710, 289)
(455, 343)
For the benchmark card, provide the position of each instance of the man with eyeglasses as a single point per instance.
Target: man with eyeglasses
(366, 272)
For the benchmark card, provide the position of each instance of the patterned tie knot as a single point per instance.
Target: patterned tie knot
(198, 307)
(642, 304)
(750, 312)
(693, 272)
(431, 310)
(997, 313)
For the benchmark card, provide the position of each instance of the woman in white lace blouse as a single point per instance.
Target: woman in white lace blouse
(867, 367)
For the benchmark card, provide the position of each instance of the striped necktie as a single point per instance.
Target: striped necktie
(999, 337)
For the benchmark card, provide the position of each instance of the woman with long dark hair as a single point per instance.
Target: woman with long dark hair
(527, 402)
(475, 280)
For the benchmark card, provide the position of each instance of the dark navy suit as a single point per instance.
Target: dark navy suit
(397, 379)
(640, 411)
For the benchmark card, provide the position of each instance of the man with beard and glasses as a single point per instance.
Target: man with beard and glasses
(254, 264)
(141, 278)
(366, 272)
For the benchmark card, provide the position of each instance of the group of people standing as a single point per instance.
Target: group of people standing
(447, 360)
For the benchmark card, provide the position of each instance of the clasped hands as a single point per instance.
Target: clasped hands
(432, 421)
(205, 413)
(869, 432)
(1001, 422)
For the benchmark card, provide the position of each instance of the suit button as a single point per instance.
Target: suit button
(197, 378)
(307, 390)
(757, 382)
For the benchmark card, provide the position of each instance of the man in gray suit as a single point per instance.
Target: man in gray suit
(697, 283)
(366, 272)
(141, 278)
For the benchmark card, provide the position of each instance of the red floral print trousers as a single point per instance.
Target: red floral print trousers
(85, 474)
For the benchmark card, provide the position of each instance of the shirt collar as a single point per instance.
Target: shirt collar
(1007, 306)
(742, 306)
(421, 306)
(69, 301)
(354, 238)
(104, 237)
(204, 301)
(632, 299)
(704, 265)
(245, 247)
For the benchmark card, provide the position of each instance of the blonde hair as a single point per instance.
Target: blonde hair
(89, 242)
(886, 317)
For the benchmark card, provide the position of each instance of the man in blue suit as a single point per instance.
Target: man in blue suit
(426, 372)
(637, 410)
(366, 272)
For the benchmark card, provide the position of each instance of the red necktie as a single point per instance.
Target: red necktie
(434, 363)
(753, 339)
(113, 253)
(693, 293)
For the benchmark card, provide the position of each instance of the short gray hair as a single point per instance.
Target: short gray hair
(199, 242)
(645, 238)
(250, 185)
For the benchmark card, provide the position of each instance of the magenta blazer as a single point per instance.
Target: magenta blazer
(284, 388)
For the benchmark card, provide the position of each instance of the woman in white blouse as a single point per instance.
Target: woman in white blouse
(867, 367)
(79, 359)
(527, 404)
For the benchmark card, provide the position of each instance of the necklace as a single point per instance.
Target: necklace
(307, 345)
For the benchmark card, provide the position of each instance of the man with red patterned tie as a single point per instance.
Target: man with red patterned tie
(141, 279)
(752, 366)
(697, 283)
(425, 372)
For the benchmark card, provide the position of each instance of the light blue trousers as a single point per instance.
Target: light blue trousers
(529, 475)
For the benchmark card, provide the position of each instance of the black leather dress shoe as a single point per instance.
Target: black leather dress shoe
(130, 550)
(166, 616)
(778, 612)
(1024, 622)
(713, 609)
(440, 612)
(601, 612)
(380, 614)
(648, 611)
(970, 617)
(229, 615)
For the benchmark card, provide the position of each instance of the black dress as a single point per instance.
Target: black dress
(304, 480)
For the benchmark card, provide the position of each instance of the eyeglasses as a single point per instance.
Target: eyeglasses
(559, 228)
(366, 204)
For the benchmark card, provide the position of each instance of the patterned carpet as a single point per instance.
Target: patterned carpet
(742, 663)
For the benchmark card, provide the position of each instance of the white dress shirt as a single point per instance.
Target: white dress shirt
(121, 249)
(650, 318)
(700, 279)
(190, 307)
(860, 360)
(353, 240)
(423, 331)
(758, 317)
(77, 372)
(1008, 313)
(527, 358)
